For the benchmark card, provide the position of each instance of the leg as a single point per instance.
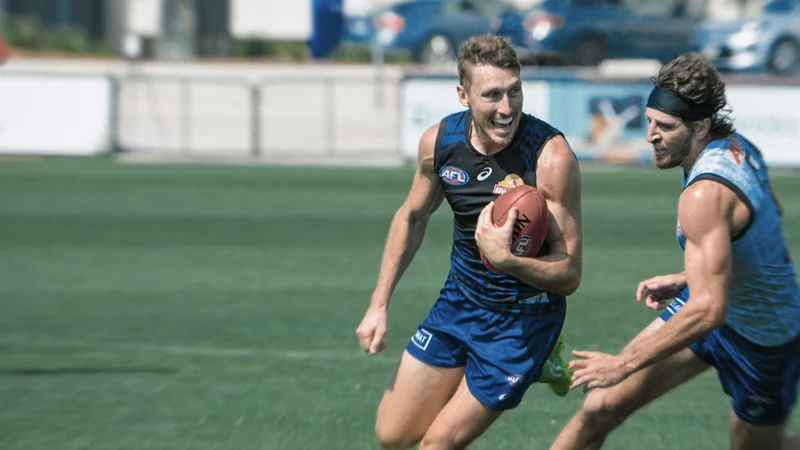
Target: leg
(747, 436)
(605, 409)
(415, 396)
(762, 382)
(462, 421)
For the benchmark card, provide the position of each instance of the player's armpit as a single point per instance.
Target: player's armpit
(558, 177)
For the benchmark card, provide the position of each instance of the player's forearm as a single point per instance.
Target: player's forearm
(693, 321)
(406, 234)
(555, 272)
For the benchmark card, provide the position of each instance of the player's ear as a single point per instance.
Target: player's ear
(705, 128)
(462, 95)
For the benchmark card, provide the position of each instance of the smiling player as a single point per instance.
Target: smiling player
(488, 336)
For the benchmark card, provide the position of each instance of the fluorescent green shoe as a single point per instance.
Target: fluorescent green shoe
(555, 373)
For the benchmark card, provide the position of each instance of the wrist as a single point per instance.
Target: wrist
(507, 262)
(379, 300)
(628, 363)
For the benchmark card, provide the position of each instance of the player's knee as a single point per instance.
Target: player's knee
(390, 437)
(603, 411)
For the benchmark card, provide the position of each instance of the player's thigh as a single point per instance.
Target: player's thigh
(618, 402)
(415, 396)
(748, 436)
(462, 420)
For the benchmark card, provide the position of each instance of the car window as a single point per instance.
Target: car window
(672, 8)
(597, 2)
(487, 8)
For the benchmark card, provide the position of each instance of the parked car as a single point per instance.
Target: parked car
(581, 32)
(431, 30)
(586, 32)
(766, 41)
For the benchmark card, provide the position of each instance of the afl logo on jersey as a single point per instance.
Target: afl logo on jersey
(453, 176)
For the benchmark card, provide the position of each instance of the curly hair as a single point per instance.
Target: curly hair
(695, 79)
(485, 50)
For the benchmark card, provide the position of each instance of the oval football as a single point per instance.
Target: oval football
(530, 228)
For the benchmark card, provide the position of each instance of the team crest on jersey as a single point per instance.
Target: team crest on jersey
(509, 182)
(735, 152)
(454, 176)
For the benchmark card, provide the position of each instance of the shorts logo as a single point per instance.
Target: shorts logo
(509, 182)
(453, 176)
(514, 379)
(422, 338)
(757, 406)
(535, 300)
(522, 244)
(485, 173)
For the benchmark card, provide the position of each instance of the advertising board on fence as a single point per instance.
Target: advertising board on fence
(428, 100)
(55, 115)
(605, 121)
(602, 121)
(768, 117)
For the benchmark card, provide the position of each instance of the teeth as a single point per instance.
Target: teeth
(505, 121)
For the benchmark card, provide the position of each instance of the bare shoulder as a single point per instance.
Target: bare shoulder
(557, 168)
(427, 145)
(705, 204)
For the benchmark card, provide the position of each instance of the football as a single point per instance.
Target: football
(530, 229)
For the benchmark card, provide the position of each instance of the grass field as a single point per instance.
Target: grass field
(171, 307)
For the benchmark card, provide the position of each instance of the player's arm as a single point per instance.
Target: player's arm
(558, 177)
(706, 211)
(410, 221)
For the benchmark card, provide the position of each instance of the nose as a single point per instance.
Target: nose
(504, 106)
(652, 136)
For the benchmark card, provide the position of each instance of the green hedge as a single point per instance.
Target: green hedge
(27, 33)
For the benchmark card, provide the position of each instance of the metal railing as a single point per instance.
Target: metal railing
(273, 116)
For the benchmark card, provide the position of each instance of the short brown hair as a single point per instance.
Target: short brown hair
(695, 79)
(485, 50)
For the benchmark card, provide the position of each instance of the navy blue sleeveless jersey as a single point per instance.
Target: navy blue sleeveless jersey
(470, 180)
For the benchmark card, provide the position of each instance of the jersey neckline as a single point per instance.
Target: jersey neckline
(523, 118)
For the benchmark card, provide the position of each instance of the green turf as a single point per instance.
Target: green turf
(172, 307)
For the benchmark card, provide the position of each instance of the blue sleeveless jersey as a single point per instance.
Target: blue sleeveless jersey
(764, 298)
(470, 180)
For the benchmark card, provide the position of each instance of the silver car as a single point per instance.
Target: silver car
(767, 41)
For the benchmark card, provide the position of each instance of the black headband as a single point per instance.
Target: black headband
(672, 104)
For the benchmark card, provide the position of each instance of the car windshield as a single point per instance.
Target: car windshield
(777, 6)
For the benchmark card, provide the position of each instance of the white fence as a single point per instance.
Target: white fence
(348, 114)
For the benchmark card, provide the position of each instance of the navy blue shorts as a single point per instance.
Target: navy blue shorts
(502, 350)
(762, 381)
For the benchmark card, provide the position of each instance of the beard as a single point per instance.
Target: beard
(668, 157)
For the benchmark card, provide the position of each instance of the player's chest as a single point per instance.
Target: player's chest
(472, 184)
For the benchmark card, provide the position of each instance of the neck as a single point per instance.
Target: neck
(691, 158)
(481, 142)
